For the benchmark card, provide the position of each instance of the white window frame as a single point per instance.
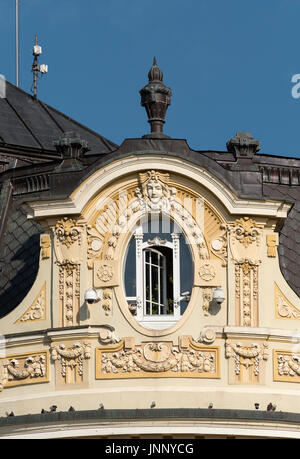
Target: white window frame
(162, 289)
(162, 320)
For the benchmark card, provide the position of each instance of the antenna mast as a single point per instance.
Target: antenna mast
(17, 43)
(36, 68)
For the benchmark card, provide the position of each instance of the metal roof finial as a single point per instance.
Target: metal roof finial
(156, 98)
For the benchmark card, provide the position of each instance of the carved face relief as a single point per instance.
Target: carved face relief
(155, 191)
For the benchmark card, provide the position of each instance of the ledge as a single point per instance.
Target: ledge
(151, 414)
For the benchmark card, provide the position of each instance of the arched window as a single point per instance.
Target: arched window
(157, 270)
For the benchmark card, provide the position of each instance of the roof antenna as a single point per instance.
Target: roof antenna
(36, 68)
(17, 43)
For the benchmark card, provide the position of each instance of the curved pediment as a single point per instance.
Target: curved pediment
(110, 174)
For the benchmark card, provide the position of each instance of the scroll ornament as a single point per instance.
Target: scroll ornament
(284, 308)
(246, 231)
(37, 310)
(107, 335)
(219, 245)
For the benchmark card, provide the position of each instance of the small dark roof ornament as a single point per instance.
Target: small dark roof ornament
(72, 149)
(243, 145)
(156, 98)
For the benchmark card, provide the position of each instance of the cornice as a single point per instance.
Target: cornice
(107, 174)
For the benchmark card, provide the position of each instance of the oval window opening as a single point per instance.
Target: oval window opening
(158, 273)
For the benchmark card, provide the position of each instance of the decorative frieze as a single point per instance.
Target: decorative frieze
(37, 311)
(157, 359)
(246, 292)
(246, 358)
(286, 366)
(71, 360)
(69, 292)
(20, 369)
(245, 236)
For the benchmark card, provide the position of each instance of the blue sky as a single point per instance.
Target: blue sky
(229, 65)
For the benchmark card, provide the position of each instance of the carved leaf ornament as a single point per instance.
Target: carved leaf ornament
(34, 367)
(289, 365)
(66, 231)
(245, 231)
(158, 357)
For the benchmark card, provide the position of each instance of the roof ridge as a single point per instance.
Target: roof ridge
(109, 144)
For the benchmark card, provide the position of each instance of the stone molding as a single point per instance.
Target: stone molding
(101, 178)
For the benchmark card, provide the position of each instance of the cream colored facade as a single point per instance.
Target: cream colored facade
(58, 349)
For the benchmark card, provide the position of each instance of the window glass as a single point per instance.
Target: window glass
(130, 270)
(186, 271)
(155, 277)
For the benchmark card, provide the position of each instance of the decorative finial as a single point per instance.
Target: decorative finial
(156, 98)
(155, 74)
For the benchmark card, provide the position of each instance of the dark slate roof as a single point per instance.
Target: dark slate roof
(19, 260)
(28, 122)
(28, 128)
